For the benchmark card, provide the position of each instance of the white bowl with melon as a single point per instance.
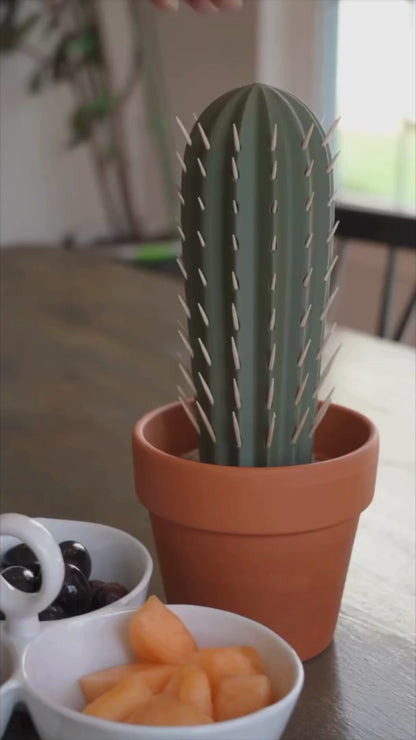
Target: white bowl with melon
(160, 673)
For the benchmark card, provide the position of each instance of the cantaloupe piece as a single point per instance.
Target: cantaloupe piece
(157, 635)
(97, 683)
(190, 685)
(236, 696)
(228, 661)
(117, 703)
(165, 710)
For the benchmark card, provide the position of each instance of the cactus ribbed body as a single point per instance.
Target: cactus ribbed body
(256, 251)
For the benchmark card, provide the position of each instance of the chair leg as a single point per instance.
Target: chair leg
(384, 320)
(402, 323)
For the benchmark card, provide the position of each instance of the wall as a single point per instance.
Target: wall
(47, 191)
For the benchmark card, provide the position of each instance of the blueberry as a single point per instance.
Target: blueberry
(75, 596)
(21, 555)
(95, 584)
(75, 553)
(21, 578)
(107, 594)
(53, 611)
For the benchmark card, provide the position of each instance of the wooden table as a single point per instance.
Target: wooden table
(88, 346)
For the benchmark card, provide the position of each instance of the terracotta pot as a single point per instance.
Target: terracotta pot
(272, 544)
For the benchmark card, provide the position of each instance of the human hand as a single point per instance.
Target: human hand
(203, 6)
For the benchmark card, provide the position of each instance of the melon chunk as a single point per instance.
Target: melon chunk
(228, 661)
(157, 635)
(190, 685)
(97, 683)
(165, 710)
(117, 703)
(236, 696)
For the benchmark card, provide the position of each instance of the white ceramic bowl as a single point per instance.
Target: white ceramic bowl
(115, 555)
(53, 662)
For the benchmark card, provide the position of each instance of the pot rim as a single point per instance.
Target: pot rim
(247, 500)
(140, 436)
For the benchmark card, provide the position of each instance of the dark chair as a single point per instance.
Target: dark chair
(394, 230)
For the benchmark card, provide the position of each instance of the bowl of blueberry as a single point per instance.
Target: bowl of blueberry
(99, 565)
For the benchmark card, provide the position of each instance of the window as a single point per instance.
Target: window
(376, 101)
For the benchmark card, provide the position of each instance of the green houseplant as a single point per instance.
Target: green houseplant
(264, 522)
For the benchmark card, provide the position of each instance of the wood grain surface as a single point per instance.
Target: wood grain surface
(88, 345)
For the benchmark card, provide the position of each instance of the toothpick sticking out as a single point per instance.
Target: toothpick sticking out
(273, 145)
(274, 206)
(308, 240)
(184, 131)
(236, 429)
(181, 232)
(330, 131)
(203, 314)
(189, 413)
(272, 323)
(236, 356)
(206, 421)
(234, 280)
(202, 277)
(308, 204)
(271, 431)
(273, 282)
(236, 138)
(201, 167)
(181, 162)
(302, 387)
(329, 303)
(205, 352)
(234, 168)
(274, 243)
(184, 306)
(299, 427)
(274, 171)
(235, 242)
(235, 207)
(330, 268)
(305, 317)
(185, 341)
(236, 323)
(201, 239)
(204, 137)
(332, 163)
(201, 204)
(309, 169)
(303, 354)
(182, 268)
(307, 278)
(332, 198)
(321, 413)
(272, 359)
(206, 388)
(326, 340)
(237, 397)
(325, 372)
(270, 395)
(332, 232)
(187, 377)
(305, 142)
(181, 198)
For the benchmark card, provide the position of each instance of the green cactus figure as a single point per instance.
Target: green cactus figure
(257, 232)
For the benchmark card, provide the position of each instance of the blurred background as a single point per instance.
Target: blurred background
(89, 94)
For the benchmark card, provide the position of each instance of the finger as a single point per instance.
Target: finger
(228, 4)
(203, 6)
(166, 4)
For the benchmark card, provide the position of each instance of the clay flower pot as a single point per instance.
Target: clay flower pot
(272, 544)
